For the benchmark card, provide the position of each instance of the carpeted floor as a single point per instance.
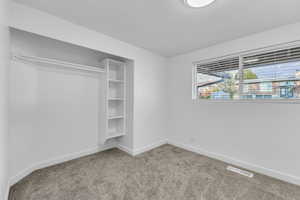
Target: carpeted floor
(165, 173)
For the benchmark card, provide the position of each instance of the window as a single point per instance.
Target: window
(267, 75)
(218, 80)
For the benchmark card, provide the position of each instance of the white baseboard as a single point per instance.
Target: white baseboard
(149, 147)
(13, 180)
(135, 152)
(7, 192)
(252, 167)
(125, 149)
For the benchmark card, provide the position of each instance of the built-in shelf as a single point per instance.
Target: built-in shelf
(114, 105)
(114, 135)
(116, 81)
(116, 99)
(65, 64)
(116, 90)
(116, 117)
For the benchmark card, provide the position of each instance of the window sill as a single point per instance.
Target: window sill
(273, 101)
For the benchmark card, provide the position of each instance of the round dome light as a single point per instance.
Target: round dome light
(198, 3)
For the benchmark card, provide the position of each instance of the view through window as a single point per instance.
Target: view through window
(278, 81)
(224, 85)
(271, 75)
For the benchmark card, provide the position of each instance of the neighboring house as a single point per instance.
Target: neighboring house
(256, 89)
(271, 88)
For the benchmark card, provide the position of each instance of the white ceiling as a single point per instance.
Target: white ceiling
(168, 27)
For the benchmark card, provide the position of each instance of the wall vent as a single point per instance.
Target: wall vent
(240, 171)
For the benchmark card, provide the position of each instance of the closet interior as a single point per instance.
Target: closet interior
(105, 90)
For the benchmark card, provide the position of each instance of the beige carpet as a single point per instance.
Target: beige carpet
(165, 173)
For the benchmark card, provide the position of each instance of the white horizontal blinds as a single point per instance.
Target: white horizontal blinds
(218, 79)
(222, 65)
(272, 75)
(273, 57)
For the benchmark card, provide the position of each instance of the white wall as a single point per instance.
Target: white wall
(149, 91)
(264, 137)
(4, 62)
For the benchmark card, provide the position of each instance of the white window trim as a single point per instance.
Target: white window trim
(242, 54)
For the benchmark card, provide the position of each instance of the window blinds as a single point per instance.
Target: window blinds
(272, 57)
(212, 68)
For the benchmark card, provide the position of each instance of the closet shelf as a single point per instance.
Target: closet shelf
(65, 64)
(115, 81)
(117, 62)
(114, 135)
(116, 117)
(116, 99)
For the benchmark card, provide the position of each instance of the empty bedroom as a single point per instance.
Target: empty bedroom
(149, 100)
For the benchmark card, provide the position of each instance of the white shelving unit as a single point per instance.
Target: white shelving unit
(113, 125)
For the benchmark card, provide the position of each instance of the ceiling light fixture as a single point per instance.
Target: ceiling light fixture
(198, 3)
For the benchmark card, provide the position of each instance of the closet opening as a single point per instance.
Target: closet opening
(65, 98)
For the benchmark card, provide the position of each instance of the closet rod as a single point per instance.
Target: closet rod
(65, 64)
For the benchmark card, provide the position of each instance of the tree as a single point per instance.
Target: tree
(248, 74)
(229, 86)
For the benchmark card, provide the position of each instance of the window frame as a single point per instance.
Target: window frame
(241, 55)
